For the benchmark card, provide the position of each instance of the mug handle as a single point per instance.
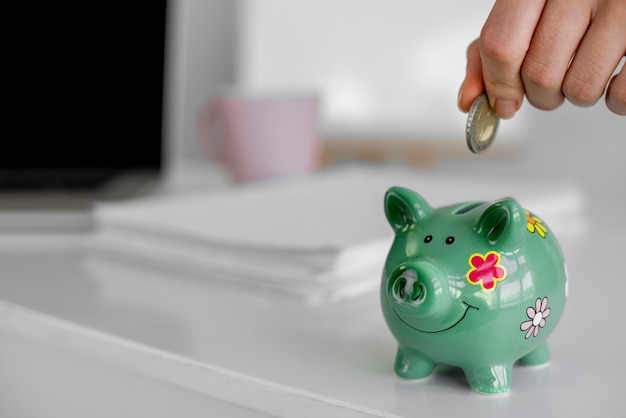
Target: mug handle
(211, 136)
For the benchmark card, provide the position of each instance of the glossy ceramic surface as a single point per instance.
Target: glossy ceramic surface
(475, 285)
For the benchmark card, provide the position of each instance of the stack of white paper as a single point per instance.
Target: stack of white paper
(321, 237)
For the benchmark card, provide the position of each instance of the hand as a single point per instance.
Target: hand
(525, 48)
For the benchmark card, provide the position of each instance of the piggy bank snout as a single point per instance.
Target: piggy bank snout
(417, 288)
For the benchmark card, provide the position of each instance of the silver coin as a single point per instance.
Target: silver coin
(481, 126)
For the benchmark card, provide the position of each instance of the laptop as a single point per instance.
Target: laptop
(85, 92)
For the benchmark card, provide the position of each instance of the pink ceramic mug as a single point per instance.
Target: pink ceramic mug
(256, 137)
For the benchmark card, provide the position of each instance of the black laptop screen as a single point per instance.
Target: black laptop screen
(85, 89)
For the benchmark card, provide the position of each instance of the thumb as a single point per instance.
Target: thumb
(473, 84)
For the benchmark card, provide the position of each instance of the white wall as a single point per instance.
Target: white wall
(382, 68)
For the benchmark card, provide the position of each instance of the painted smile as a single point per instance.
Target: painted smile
(468, 307)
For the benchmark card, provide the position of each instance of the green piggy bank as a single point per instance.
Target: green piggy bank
(475, 285)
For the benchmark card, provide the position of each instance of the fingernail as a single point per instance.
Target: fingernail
(505, 108)
(458, 100)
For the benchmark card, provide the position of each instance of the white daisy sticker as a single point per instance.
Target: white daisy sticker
(537, 316)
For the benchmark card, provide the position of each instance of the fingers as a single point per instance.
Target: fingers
(562, 25)
(504, 41)
(616, 93)
(598, 55)
(548, 50)
(473, 84)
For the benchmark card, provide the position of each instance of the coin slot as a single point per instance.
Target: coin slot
(467, 207)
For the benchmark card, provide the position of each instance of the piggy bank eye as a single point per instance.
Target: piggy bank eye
(428, 239)
(449, 240)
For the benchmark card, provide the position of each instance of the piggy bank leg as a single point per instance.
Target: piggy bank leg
(540, 355)
(412, 364)
(490, 380)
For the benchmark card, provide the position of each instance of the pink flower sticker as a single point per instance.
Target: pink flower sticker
(486, 270)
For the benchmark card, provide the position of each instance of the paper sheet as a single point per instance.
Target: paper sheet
(319, 236)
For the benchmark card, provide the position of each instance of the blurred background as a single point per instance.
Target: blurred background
(387, 74)
(384, 71)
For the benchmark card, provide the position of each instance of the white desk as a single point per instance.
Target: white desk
(85, 335)
(82, 337)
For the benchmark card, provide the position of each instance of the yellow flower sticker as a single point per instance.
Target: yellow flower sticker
(534, 224)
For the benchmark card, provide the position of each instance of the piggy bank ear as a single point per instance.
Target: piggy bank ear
(503, 222)
(404, 207)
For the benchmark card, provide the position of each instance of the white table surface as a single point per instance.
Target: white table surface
(87, 337)
(77, 330)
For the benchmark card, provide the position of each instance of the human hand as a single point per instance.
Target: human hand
(548, 50)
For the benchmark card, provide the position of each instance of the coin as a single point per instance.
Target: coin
(481, 126)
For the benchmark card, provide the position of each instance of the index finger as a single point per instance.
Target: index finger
(504, 41)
